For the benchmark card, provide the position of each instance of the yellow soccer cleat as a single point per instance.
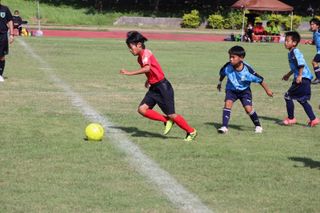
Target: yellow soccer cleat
(191, 136)
(168, 126)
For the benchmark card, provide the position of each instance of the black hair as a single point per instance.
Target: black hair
(295, 36)
(237, 50)
(315, 21)
(134, 37)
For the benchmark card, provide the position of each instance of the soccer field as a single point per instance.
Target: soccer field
(47, 166)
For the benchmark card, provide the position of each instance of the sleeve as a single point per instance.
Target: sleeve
(223, 70)
(299, 58)
(8, 15)
(254, 77)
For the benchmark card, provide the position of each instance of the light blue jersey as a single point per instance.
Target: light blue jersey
(316, 40)
(296, 61)
(239, 80)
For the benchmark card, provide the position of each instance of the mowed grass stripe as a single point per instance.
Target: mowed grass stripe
(175, 192)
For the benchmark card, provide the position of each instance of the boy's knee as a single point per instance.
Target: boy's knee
(287, 97)
(142, 110)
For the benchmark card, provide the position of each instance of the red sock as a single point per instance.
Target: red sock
(153, 115)
(182, 123)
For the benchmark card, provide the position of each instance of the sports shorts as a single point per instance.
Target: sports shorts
(317, 58)
(245, 96)
(160, 93)
(300, 92)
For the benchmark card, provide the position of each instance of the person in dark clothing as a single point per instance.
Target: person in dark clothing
(6, 25)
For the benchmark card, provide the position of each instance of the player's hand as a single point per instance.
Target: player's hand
(124, 72)
(308, 42)
(11, 39)
(286, 77)
(146, 84)
(299, 79)
(269, 93)
(219, 87)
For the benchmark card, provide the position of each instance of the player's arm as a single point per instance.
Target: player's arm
(143, 70)
(222, 76)
(11, 35)
(220, 82)
(310, 42)
(259, 79)
(287, 76)
(299, 77)
(266, 88)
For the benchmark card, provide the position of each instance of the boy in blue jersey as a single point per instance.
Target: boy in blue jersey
(300, 89)
(240, 75)
(315, 28)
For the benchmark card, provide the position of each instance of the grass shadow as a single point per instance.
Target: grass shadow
(278, 121)
(308, 162)
(218, 125)
(135, 132)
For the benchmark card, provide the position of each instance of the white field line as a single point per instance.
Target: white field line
(175, 192)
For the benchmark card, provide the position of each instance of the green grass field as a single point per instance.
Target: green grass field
(47, 166)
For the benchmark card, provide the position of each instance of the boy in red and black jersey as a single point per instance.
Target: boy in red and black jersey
(160, 90)
(5, 25)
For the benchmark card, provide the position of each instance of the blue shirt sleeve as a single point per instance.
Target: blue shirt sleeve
(223, 70)
(253, 77)
(299, 58)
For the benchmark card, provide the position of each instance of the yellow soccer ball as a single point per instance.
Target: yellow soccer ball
(94, 132)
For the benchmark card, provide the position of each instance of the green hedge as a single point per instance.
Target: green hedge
(191, 20)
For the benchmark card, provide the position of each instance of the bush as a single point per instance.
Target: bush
(296, 20)
(285, 21)
(215, 21)
(191, 20)
(233, 20)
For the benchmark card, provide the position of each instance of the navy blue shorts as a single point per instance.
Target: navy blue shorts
(160, 93)
(317, 58)
(245, 96)
(300, 92)
(4, 46)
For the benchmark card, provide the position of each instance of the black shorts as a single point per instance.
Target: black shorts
(300, 92)
(4, 46)
(244, 96)
(317, 58)
(160, 93)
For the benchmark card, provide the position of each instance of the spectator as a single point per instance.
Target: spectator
(17, 22)
(258, 31)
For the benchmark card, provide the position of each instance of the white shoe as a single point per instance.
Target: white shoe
(1, 78)
(223, 130)
(258, 129)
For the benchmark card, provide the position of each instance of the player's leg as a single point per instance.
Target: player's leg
(246, 101)
(2, 66)
(288, 97)
(146, 108)
(166, 103)
(254, 118)
(316, 68)
(230, 98)
(305, 95)
(4, 49)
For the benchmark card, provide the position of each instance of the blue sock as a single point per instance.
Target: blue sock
(290, 108)
(226, 117)
(308, 109)
(317, 72)
(254, 117)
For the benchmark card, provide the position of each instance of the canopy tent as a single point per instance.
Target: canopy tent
(262, 5)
